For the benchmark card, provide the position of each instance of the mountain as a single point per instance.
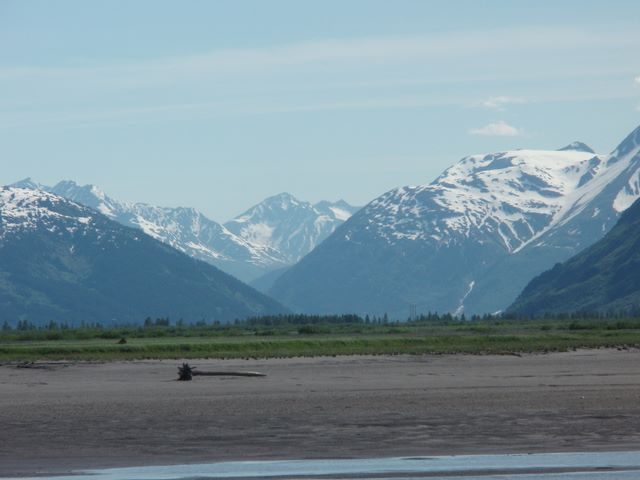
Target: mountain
(288, 225)
(604, 277)
(247, 257)
(185, 229)
(578, 147)
(472, 239)
(63, 261)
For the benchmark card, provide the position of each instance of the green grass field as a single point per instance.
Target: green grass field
(315, 340)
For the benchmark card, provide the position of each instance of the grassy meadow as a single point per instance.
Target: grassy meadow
(317, 338)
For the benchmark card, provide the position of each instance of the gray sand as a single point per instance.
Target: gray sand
(134, 413)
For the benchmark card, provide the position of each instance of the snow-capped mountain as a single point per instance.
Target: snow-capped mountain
(288, 225)
(185, 229)
(188, 230)
(25, 210)
(470, 240)
(63, 261)
(504, 199)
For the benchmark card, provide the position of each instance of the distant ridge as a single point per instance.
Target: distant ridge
(66, 262)
(270, 236)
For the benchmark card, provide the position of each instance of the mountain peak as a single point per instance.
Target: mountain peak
(339, 210)
(71, 185)
(27, 183)
(578, 147)
(282, 198)
(288, 225)
(628, 144)
(337, 203)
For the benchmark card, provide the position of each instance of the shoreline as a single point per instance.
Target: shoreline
(458, 466)
(105, 415)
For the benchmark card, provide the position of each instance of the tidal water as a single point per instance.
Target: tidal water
(544, 466)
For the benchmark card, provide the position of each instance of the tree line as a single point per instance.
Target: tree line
(297, 320)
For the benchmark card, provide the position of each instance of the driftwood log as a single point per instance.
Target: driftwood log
(186, 372)
(228, 374)
(42, 365)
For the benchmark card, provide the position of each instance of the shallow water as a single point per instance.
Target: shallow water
(545, 466)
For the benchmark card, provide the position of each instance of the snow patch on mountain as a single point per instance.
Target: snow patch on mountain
(25, 209)
(512, 198)
(506, 197)
(631, 190)
(460, 310)
(340, 214)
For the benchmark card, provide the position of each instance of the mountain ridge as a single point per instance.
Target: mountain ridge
(470, 240)
(67, 262)
(191, 232)
(604, 277)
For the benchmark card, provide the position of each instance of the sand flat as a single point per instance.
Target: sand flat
(133, 413)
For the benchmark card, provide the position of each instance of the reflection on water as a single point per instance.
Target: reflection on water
(546, 466)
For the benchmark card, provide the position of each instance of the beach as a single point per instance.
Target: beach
(73, 416)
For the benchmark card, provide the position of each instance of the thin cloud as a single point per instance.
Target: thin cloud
(499, 102)
(329, 53)
(305, 76)
(637, 80)
(212, 109)
(497, 129)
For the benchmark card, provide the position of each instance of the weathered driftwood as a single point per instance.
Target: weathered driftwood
(229, 374)
(186, 372)
(41, 365)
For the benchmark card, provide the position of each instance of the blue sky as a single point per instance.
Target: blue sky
(217, 105)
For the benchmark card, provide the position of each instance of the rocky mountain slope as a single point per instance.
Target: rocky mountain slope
(63, 261)
(470, 240)
(271, 235)
(604, 277)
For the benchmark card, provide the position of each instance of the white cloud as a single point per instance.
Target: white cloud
(498, 129)
(637, 80)
(499, 102)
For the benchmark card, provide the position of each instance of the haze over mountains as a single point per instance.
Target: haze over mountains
(268, 237)
(65, 262)
(472, 239)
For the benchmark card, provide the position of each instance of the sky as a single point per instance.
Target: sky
(219, 104)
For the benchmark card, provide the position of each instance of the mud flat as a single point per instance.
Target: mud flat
(78, 416)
